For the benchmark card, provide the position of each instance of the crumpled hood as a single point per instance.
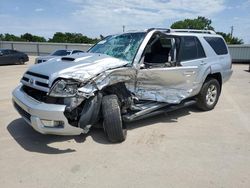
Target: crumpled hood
(80, 66)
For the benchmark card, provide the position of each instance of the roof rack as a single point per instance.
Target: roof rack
(193, 31)
(159, 29)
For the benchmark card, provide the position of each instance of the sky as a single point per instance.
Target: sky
(95, 17)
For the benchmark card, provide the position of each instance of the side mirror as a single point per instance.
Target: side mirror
(142, 66)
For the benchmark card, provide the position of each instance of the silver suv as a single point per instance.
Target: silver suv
(123, 78)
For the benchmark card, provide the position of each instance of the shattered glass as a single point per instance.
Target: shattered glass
(122, 46)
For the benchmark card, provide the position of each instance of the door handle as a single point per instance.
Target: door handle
(203, 63)
(188, 73)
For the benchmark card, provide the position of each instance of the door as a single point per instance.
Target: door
(170, 85)
(13, 57)
(4, 57)
(193, 54)
(170, 82)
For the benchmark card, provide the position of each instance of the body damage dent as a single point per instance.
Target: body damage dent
(108, 78)
(167, 85)
(147, 91)
(160, 94)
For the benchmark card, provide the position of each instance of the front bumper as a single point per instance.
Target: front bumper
(34, 111)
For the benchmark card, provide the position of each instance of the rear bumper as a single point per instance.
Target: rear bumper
(227, 75)
(34, 111)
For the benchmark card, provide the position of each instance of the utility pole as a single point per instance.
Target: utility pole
(232, 30)
(123, 28)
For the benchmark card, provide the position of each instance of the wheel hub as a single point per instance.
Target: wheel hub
(211, 95)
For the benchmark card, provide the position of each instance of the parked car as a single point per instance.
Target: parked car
(57, 53)
(8, 56)
(123, 78)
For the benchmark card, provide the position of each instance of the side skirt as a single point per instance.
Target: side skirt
(156, 109)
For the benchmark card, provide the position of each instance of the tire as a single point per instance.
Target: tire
(112, 121)
(209, 95)
(21, 61)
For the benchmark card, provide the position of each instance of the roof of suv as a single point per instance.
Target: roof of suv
(181, 32)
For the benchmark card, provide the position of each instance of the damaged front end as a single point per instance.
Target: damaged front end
(83, 108)
(79, 99)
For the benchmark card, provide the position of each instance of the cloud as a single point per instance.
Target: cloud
(136, 14)
(93, 18)
(39, 10)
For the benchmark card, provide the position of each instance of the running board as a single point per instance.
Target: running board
(158, 108)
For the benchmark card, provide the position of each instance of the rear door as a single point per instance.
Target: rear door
(13, 56)
(193, 54)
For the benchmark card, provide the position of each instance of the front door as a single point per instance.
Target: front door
(160, 77)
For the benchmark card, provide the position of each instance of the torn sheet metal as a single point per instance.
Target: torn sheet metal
(169, 95)
(170, 85)
(109, 77)
(125, 74)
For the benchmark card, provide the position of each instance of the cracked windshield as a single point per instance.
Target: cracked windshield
(122, 46)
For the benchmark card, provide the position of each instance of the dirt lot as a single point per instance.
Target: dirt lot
(186, 148)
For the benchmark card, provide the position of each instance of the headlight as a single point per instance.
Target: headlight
(64, 88)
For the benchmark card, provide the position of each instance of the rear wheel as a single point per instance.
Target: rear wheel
(209, 95)
(21, 61)
(112, 120)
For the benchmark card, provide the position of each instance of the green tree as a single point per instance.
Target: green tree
(230, 39)
(72, 38)
(32, 38)
(25, 37)
(197, 23)
(203, 23)
(10, 37)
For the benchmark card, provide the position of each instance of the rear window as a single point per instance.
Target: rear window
(217, 44)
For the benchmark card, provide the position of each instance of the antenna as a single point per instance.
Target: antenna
(232, 30)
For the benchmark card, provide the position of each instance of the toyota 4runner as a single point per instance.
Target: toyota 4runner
(124, 77)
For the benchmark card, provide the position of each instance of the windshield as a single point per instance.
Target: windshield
(122, 46)
(61, 52)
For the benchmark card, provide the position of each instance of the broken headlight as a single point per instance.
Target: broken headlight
(64, 88)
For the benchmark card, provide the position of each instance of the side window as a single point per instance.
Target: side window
(12, 52)
(191, 49)
(217, 44)
(200, 50)
(161, 51)
(76, 51)
(4, 52)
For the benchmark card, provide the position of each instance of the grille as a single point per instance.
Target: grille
(22, 112)
(36, 80)
(41, 95)
(34, 93)
(37, 75)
